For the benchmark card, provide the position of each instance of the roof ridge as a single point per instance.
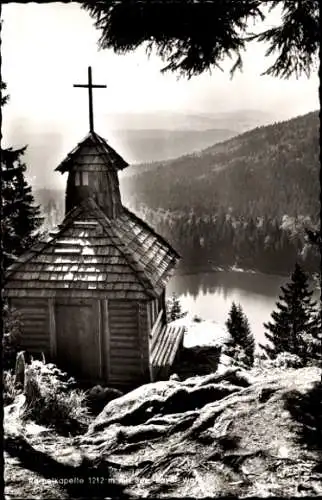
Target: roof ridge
(74, 149)
(101, 142)
(131, 260)
(97, 136)
(101, 146)
(147, 226)
(75, 211)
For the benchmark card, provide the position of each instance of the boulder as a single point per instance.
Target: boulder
(98, 397)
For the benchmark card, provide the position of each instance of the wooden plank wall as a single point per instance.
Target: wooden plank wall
(144, 340)
(78, 337)
(153, 312)
(34, 316)
(105, 340)
(125, 354)
(121, 335)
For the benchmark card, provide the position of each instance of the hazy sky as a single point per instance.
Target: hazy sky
(47, 48)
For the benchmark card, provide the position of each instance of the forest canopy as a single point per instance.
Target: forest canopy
(195, 36)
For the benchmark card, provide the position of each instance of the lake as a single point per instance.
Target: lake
(210, 295)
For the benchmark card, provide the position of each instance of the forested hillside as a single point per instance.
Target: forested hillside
(163, 144)
(270, 170)
(245, 202)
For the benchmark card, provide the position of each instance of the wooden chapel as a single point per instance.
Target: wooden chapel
(91, 297)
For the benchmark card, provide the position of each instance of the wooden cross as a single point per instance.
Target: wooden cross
(90, 88)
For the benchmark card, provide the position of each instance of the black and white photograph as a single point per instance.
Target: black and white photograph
(161, 249)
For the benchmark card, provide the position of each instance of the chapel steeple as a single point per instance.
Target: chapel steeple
(92, 168)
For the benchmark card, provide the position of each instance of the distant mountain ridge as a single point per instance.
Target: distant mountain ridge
(158, 145)
(238, 120)
(269, 170)
(150, 137)
(138, 137)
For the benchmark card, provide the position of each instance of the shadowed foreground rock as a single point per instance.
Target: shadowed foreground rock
(228, 433)
(231, 433)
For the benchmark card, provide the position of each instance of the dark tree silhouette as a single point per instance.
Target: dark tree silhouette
(193, 37)
(20, 217)
(4, 97)
(174, 308)
(295, 323)
(11, 332)
(241, 335)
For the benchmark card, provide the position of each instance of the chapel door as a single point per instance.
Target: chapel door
(78, 337)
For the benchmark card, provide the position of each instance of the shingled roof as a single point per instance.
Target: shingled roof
(89, 251)
(94, 152)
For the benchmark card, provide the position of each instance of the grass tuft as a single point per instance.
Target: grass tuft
(48, 403)
(8, 389)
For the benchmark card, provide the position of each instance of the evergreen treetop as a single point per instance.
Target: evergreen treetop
(193, 37)
(295, 320)
(20, 218)
(4, 97)
(242, 338)
(174, 308)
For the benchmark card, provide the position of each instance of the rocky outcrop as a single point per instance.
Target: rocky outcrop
(233, 432)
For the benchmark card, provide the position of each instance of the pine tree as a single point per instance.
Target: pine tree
(242, 338)
(20, 218)
(311, 342)
(174, 308)
(11, 332)
(295, 320)
(4, 97)
(210, 31)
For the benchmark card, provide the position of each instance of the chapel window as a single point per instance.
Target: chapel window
(81, 179)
